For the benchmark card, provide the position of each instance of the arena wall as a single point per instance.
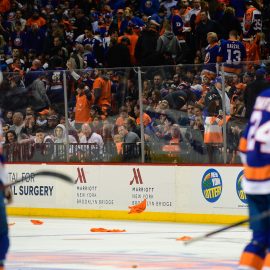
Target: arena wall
(205, 194)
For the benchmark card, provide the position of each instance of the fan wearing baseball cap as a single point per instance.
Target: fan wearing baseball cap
(216, 93)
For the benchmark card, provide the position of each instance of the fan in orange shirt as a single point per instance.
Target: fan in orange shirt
(4, 6)
(83, 103)
(95, 112)
(102, 92)
(117, 139)
(146, 118)
(133, 38)
(253, 50)
(36, 19)
(123, 115)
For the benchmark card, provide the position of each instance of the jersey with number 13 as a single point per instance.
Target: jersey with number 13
(255, 147)
(231, 52)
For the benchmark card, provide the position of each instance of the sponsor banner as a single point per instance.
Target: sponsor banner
(211, 185)
(157, 188)
(167, 189)
(117, 187)
(240, 192)
(97, 187)
(212, 190)
(31, 189)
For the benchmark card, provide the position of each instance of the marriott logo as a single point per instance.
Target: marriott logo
(137, 178)
(81, 176)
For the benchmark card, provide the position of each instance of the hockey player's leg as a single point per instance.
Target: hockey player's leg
(4, 239)
(254, 253)
(2, 265)
(4, 244)
(266, 264)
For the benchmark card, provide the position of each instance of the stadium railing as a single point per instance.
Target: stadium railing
(152, 89)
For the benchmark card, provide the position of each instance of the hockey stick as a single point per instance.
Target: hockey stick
(61, 176)
(263, 215)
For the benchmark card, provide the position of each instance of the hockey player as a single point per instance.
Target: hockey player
(255, 153)
(5, 195)
(4, 241)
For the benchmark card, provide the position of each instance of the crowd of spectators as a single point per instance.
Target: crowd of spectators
(121, 33)
(91, 48)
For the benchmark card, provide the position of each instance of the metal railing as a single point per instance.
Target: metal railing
(130, 86)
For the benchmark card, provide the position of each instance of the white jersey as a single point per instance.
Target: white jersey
(252, 22)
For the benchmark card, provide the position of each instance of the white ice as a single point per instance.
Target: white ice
(63, 244)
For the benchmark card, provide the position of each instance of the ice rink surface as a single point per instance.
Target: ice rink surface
(63, 244)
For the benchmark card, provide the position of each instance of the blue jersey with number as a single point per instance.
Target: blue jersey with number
(232, 52)
(255, 147)
(177, 24)
(211, 53)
